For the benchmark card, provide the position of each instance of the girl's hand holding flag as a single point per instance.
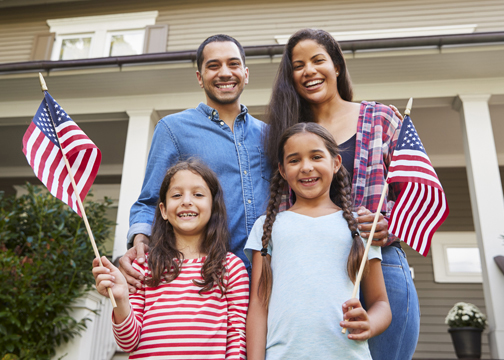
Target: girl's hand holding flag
(107, 277)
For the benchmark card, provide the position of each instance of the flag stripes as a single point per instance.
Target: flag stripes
(421, 206)
(413, 216)
(45, 154)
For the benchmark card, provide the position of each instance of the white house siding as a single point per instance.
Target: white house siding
(252, 22)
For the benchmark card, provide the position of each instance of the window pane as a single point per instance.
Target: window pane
(466, 260)
(76, 48)
(126, 44)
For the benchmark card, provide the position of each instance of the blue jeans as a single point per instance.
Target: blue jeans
(399, 341)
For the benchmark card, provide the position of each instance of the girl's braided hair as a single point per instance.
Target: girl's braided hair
(340, 193)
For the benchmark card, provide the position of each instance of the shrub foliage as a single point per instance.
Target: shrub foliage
(45, 264)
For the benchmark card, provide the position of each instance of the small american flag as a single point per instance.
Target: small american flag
(45, 153)
(421, 207)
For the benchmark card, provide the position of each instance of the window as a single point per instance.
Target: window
(120, 43)
(74, 46)
(100, 36)
(455, 257)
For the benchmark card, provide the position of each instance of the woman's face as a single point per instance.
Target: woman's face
(314, 73)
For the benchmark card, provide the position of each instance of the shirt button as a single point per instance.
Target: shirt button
(249, 201)
(222, 122)
(245, 172)
(239, 144)
(209, 117)
(213, 113)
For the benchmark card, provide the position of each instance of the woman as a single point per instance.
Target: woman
(313, 84)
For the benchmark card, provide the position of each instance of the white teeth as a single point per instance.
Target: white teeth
(308, 180)
(187, 214)
(314, 82)
(225, 86)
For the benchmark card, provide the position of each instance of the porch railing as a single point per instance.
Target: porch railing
(97, 340)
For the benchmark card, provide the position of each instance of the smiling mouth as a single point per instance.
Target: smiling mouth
(187, 214)
(308, 181)
(313, 83)
(225, 86)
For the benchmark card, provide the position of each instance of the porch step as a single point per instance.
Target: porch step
(119, 355)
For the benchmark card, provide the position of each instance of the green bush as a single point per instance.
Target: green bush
(45, 265)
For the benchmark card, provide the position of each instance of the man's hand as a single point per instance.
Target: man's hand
(133, 277)
(397, 112)
(365, 219)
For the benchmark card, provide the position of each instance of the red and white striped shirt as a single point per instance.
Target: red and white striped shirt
(173, 321)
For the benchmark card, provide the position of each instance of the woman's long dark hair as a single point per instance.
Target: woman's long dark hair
(163, 250)
(340, 194)
(286, 107)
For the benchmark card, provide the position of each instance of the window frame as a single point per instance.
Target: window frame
(108, 40)
(452, 239)
(99, 26)
(58, 43)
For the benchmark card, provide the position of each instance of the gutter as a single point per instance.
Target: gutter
(256, 51)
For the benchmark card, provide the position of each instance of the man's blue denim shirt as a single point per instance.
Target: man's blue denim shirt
(237, 157)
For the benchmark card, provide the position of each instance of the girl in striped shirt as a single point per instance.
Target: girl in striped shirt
(194, 296)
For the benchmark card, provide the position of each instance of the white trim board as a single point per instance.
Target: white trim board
(452, 239)
(394, 33)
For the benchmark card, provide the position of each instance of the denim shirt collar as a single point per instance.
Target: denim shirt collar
(213, 114)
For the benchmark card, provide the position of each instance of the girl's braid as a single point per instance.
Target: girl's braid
(344, 198)
(276, 190)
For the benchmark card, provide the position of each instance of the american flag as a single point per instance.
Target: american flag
(45, 153)
(421, 206)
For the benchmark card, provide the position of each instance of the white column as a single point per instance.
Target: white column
(140, 129)
(487, 203)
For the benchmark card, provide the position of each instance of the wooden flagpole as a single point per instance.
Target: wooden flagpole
(373, 228)
(77, 196)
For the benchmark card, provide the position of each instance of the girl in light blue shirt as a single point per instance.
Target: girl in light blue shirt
(305, 260)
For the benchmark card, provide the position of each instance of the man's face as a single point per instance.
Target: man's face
(223, 74)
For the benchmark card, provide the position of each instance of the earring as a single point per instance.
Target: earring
(337, 73)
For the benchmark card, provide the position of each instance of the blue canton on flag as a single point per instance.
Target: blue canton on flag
(43, 121)
(410, 138)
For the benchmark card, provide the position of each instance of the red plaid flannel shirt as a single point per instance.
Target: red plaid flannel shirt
(377, 132)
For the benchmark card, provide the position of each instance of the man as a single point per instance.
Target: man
(222, 134)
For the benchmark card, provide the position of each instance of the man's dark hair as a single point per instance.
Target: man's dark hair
(219, 38)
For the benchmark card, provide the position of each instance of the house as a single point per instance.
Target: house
(117, 67)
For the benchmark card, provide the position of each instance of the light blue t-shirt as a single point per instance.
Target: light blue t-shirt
(310, 284)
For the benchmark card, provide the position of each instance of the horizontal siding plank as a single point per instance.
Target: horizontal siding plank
(449, 286)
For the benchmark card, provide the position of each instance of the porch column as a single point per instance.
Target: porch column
(140, 129)
(487, 206)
